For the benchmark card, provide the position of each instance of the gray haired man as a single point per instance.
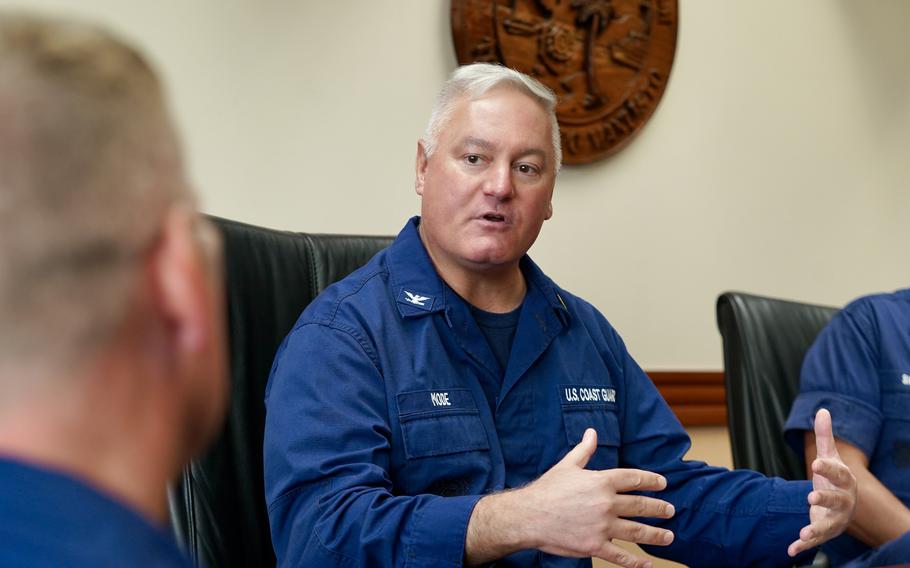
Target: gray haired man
(450, 404)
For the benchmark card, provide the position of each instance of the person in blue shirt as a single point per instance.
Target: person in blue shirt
(859, 368)
(112, 341)
(448, 404)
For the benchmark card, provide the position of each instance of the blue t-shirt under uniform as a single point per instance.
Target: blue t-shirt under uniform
(499, 331)
(859, 369)
(51, 520)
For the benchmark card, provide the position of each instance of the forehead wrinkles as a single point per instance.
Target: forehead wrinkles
(490, 122)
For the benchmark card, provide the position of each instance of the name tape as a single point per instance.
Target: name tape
(435, 401)
(578, 394)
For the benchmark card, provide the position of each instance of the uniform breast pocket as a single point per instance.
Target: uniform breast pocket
(895, 436)
(896, 404)
(603, 419)
(439, 423)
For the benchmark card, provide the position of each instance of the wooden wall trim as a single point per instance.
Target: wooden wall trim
(698, 398)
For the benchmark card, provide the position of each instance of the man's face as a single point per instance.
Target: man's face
(487, 188)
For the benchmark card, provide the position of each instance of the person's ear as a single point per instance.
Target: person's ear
(420, 167)
(180, 280)
(549, 211)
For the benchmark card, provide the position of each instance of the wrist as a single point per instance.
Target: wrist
(532, 518)
(498, 527)
(517, 522)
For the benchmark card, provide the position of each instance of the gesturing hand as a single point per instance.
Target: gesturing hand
(578, 511)
(833, 496)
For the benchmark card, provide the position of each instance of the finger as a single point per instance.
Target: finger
(836, 500)
(818, 532)
(824, 435)
(624, 480)
(622, 557)
(808, 538)
(641, 506)
(798, 547)
(640, 533)
(834, 471)
(580, 454)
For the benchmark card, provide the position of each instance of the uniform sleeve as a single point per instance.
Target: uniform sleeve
(327, 458)
(723, 518)
(840, 373)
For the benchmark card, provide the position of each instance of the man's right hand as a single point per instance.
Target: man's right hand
(571, 511)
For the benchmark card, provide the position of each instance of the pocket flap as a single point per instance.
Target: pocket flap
(440, 422)
(603, 420)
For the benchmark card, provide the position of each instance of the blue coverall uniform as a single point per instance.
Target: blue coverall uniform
(50, 519)
(388, 417)
(859, 369)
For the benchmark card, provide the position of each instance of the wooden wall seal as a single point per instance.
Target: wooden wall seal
(607, 60)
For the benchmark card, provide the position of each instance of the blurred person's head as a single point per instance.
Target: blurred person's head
(109, 279)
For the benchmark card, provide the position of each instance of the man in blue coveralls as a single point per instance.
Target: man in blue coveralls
(112, 347)
(859, 367)
(449, 404)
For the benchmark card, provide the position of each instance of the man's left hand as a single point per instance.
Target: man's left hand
(833, 497)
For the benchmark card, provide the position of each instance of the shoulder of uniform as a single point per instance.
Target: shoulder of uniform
(341, 302)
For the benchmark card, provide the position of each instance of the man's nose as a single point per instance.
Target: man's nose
(499, 182)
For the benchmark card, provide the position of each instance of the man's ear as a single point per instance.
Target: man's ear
(420, 167)
(179, 278)
(549, 211)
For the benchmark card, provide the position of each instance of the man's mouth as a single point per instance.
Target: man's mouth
(494, 217)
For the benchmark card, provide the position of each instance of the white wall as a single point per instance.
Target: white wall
(777, 162)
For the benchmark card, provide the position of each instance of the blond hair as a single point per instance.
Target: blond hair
(89, 163)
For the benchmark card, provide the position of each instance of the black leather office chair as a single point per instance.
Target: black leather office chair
(218, 506)
(765, 340)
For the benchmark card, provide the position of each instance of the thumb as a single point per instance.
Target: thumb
(581, 453)
(824, 434)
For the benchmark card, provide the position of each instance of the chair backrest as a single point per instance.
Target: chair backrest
(218, 506)
(765, 340)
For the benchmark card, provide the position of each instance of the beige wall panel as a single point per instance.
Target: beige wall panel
(776, 163)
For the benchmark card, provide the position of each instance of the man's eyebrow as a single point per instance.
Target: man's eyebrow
(478, 142)
(532, 152)
(489, 146)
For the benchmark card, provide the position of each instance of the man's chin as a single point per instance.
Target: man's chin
(492, 261)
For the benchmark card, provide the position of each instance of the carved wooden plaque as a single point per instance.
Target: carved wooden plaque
(608, 61)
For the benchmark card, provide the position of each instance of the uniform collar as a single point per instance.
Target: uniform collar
(417, 287)
(550, 292)
(419, 290)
